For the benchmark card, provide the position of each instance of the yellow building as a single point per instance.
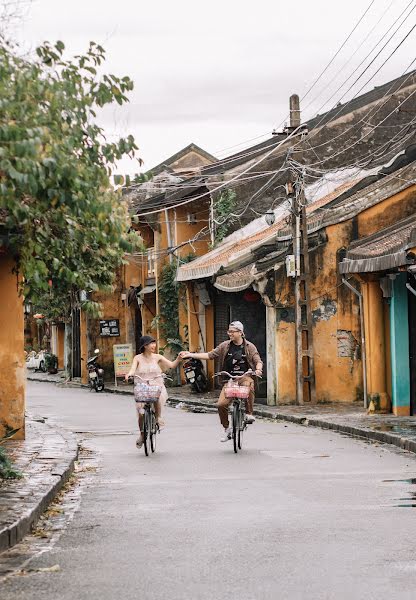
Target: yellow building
(174, 228)
(12, 361)
(354, 212)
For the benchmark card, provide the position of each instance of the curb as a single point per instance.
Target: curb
(307, 421)
(13, 528)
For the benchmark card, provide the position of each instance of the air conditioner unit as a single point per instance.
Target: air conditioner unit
(191, 218)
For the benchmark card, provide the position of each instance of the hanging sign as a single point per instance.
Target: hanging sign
(110, 328)
(123, 357)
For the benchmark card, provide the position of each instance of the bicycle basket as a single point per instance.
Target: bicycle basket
(243, 391)
(233, 390)
(143, 392)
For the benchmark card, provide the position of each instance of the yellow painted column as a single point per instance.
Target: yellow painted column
(60, 344)
(12, 364)
(193, 326)
(375, 346)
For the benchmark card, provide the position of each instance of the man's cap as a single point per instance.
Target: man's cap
(237, 325)
(144, 341)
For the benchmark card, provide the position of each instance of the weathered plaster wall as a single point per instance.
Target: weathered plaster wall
(113, 307)
(12, 364)
(190, 160)
(386, 213)
(335, 315)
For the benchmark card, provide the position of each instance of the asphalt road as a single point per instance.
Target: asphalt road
(299, 514)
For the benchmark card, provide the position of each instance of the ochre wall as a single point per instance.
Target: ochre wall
(60, 334)
(387, 213)
(336, 315)
(336, 329)
(12, 364)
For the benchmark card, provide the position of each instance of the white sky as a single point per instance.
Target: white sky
(221, 72)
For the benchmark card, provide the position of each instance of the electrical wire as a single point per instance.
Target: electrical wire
(351, 57)
(236, 177)
(342, 108)
(338, 51)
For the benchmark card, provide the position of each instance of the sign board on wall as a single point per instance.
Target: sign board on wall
(123, 357)
(110, 328)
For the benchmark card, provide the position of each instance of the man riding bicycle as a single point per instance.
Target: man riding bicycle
(235, 356)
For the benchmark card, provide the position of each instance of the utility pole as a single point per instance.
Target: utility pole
(305, 370)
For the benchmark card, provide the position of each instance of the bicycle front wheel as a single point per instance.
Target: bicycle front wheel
(153, 430)
(241, 427)
(236, 423)
(146, 429)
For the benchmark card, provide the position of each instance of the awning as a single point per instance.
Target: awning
(148, 289)
(237, 281)
(372, 265)
(387, 249)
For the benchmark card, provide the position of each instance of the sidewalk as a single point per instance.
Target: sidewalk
(350, 419)
(46, 459)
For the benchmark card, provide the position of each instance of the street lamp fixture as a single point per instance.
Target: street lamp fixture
(270, 217)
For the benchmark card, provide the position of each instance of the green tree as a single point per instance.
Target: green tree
(61, 217)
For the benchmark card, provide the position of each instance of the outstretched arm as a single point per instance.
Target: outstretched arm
(168, 364)
(200, 355)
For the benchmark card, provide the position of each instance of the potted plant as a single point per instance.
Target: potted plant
(51, 363)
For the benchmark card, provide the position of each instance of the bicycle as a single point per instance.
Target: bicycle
(238, 392)
(148, 394)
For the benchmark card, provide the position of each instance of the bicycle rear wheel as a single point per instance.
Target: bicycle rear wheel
(153, 430)
(146, 429)
(236, 421)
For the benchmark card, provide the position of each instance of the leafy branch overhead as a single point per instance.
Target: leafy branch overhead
(59, 213)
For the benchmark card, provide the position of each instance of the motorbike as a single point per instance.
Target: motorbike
(95, 373)
(195, 375)
(36, 361)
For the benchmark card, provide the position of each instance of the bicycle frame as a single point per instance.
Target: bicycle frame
(237, 408)
(149, 423)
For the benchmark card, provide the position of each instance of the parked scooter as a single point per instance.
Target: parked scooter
(95, 373)
(195, 374)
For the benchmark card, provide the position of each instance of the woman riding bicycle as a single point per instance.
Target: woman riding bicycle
(235, 356)
(149, 366)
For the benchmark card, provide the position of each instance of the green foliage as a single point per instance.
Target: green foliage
(60, 215)
(7, 471)
(169, 306)
(223, 207)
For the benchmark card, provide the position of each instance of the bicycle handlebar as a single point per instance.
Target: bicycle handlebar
(249, 372)
(162, 375)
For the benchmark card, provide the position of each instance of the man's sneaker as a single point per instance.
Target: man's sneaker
(139, 441)
(228, 434)
(250, 419)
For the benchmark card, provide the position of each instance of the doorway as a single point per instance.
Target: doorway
(247, 307)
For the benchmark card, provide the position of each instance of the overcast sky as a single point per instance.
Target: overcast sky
(218, 73)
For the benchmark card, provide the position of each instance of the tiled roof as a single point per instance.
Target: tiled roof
(235, 251)
(384, 250)
(224, 255)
